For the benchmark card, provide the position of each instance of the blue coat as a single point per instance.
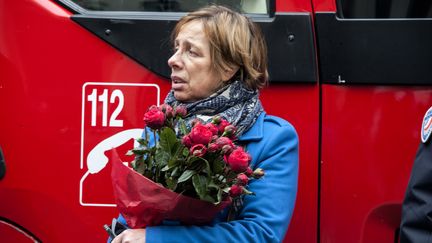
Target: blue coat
(273, 145)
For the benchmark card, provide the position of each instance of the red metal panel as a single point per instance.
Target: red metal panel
(369, 138)
(45, 59)
(324, 5)
(293, 6)
(288, 102)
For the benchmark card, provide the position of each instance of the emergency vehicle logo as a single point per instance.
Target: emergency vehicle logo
(426, 126)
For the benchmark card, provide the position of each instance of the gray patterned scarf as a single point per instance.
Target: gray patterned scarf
(234, 102)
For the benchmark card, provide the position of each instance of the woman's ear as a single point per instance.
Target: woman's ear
(229, 73)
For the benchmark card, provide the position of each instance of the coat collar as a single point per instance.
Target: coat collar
(256, 132)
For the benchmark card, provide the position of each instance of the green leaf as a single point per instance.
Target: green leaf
(167, 139)
(175, 172)
(246, 191)
(218, 166)
(200, 184)
(162, 158)
(139, 166)
(185, 152)
(171, 183)
(219, 196)
(187, 174)
(140, 150)
(165, 168)
(182, 127)
(142, 141)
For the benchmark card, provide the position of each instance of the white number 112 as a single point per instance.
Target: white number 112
(103, 98)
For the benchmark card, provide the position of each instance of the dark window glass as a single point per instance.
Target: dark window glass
(245, 6)
(384, 8)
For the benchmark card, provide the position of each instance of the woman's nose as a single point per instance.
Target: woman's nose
(174, 61)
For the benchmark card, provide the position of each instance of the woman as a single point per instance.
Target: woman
(218, 66)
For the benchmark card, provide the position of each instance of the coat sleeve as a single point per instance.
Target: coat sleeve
(264, 217)
(416, 223)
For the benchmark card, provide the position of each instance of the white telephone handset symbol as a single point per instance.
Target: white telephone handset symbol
(96, 159)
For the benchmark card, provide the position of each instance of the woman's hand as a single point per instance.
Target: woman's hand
(130, 235)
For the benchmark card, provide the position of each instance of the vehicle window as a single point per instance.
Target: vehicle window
(245, 6)
(384, 9)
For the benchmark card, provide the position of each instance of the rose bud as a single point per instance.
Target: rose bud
(216, 120)
(186, 141)
(181, 111)
(195, 121)
(213, 147)
(229, 131)
(168, 110)
(198, 150)
(242, 179)
(235, 190)
(212, 127)
(258, 173)
(223, 123)
(200, 134)
(249, 171)
(222, 141)
(238, 160)
(227, 149)
(154, 118)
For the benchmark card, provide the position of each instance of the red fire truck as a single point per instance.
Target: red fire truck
(353, 77)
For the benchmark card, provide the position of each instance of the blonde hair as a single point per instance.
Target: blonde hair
(235, 41)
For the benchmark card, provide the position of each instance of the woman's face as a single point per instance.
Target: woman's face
(192, 75)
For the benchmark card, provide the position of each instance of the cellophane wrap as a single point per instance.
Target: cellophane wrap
(144, 203)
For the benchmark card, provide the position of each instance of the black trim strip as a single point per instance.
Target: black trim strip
(289, 38)
(2, 165)
(374, 51)
(24, 230)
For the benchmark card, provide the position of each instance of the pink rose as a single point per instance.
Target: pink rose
(168, 110)
(238, 160)
(249, 171)
(186, 141)
(212, 127)
(154, 118)
(227, 149)
(242, 179)
(229, 131)
(200, 134)
(198, 150)
(180, 111)
(222, 141)
(223, 123)
(235, 190)
(213, 147)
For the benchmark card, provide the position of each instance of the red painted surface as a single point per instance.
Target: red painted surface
(287, 101)
(369, 138)
(369, 134)
(45, 59)
(324, 5)
(293, 6)
(42, 75)
(12, 233)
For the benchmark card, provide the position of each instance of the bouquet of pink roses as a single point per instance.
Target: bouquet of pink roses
(181, 174)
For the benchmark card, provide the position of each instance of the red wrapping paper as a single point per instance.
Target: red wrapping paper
(144, 203)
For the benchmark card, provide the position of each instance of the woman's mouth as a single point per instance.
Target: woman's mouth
(177, 83)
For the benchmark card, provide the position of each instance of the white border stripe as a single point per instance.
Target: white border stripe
(82, 133)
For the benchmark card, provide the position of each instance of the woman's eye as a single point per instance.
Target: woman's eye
(192, 53)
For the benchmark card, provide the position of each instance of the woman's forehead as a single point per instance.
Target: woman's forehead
(193, 32)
